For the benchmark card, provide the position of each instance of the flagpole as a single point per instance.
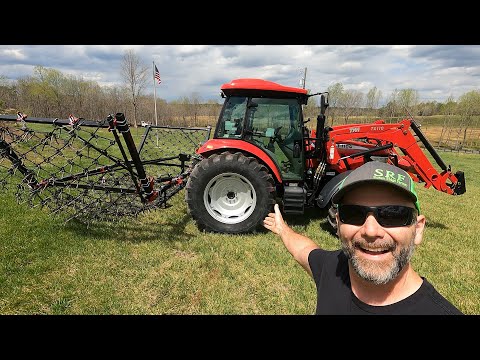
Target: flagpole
(155, 94)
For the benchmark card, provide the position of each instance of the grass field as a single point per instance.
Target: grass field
(160, 263)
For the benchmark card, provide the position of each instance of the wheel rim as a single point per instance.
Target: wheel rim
(230, 198)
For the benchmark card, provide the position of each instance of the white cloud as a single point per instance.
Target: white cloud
(351, 65)
(435, 71)
(13, 53)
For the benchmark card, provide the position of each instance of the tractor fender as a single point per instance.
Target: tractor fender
(330, 188)
(213, 146)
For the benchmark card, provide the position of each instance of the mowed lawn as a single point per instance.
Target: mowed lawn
(160, 263)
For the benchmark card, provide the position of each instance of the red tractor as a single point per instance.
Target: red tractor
(262, 152)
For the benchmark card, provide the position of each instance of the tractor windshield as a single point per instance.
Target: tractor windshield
(231, 120)
(273, 124)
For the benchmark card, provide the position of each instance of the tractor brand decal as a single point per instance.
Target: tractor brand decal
(390, 176)
(351, 147)
(354, 129)
(377, 128)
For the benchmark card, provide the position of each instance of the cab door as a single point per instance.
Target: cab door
(274, 125)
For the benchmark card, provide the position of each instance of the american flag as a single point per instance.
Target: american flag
(21, 116)
(157, 75)
(72, 119)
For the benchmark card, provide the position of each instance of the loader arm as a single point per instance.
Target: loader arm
(381, 139)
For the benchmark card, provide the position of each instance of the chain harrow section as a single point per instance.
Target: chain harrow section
(164, 142)
(92, 170)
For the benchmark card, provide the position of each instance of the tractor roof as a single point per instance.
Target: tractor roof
(260, 85)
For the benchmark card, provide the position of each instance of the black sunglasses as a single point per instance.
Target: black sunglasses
(386, 215)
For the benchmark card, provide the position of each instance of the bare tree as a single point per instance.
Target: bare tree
(448, 110)
(335, 92)
(311, 108)
(214, 109)
(469, 106)
(4, 90)
(407, 99)
(349, 102)
(134, 74)
(196, 100)
(373, 99)
(392, 106)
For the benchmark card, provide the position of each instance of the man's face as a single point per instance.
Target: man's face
(378, 253)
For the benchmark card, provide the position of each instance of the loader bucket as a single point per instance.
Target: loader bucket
(460, 187)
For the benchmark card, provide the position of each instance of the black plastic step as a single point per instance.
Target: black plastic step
(294, 198)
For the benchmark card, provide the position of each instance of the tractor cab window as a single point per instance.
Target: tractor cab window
(274, 125)
(231, 119)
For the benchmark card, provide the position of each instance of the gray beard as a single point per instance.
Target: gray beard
(378, 275)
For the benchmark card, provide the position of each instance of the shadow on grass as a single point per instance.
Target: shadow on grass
(134, 230)
(310, 214)
(303, 220)
(435, 225)
(325, 226)
(149, 228)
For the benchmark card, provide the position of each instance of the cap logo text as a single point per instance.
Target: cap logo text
(390, 176)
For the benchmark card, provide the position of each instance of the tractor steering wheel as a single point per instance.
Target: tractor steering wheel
(276, 134)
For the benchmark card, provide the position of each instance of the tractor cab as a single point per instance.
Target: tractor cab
(269, 116)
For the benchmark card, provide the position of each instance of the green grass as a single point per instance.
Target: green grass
(448, 255)
(160, 263)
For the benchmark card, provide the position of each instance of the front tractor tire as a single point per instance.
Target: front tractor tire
(230, 193)
(332, 218)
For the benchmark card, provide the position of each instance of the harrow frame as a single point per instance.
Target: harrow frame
(68, 168)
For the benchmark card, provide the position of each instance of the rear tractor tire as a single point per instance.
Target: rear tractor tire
(229, 193)
(332, 218)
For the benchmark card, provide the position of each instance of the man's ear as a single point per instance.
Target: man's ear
(419, 228)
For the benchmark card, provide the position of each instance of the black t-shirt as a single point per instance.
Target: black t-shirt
(335, 296)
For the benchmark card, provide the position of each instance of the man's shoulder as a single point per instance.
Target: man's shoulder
(322, 254)
(320, 259)
(437, 300)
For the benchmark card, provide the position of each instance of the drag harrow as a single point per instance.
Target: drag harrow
(93, 170)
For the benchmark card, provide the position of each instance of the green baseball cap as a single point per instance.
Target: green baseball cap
(380, 173)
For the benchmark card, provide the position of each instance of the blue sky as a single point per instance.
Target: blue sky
(436, 71)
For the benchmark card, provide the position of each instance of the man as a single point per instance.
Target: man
(379, 225)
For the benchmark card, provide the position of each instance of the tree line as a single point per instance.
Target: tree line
(49, 93)
(345, 104)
